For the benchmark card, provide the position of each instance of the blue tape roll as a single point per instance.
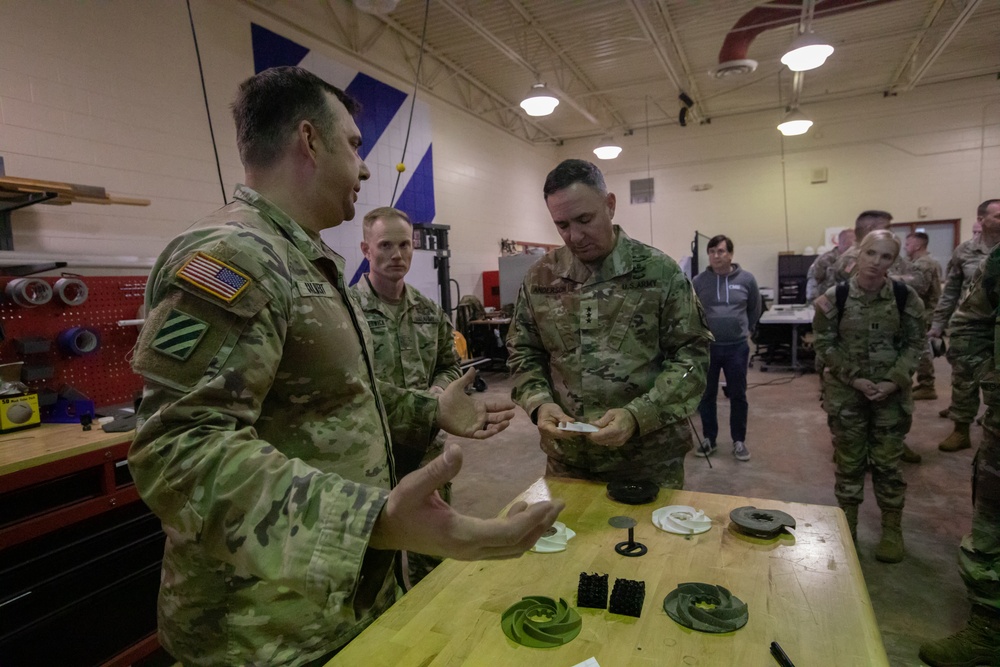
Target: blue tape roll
(79, 341)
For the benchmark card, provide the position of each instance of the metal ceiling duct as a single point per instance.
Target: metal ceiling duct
(779, 13)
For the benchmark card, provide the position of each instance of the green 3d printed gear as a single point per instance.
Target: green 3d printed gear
(706, 608)
(539, 622)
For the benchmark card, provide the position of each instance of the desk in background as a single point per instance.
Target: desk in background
(806, 592)
(785, 317)
(489, 339)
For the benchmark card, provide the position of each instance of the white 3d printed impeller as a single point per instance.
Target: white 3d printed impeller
(681, 520)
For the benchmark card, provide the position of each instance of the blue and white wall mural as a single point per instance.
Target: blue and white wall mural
(383, 123)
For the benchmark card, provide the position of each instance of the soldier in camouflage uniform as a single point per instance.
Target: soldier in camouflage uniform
(871, 350)
(263, 443)
(607, 330)
(846, 264)
(414, 341)
(819, 277)
(978, 643)
(962, 267)
(925, 278)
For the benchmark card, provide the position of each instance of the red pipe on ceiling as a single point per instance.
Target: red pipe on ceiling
(777, 14)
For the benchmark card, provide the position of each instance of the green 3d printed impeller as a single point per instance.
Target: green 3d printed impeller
(539, 622)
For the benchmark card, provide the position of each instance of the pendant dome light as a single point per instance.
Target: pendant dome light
(806, 52)
(539, 101)
(607, 149)
(794, 123)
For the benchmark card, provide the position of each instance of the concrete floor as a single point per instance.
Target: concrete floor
(921, 598)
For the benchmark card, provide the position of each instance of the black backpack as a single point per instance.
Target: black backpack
(898, 289)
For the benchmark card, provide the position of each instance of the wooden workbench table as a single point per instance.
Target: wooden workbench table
(804, 591)
(51, 452)
(33, 447)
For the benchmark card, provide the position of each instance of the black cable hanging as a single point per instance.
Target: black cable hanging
(413, 103)
(204, 94)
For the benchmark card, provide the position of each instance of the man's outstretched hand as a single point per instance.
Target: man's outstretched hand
(416, 519)
(468, 417)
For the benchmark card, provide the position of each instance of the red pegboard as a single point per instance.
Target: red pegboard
(105, 375)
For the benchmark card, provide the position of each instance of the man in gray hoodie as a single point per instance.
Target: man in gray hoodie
(732, 306)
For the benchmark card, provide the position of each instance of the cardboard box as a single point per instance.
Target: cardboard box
(18, 412)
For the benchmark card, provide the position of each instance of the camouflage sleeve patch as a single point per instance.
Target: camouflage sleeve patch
(823, 304)
(179, 335)
(187, 336)
(214, 276)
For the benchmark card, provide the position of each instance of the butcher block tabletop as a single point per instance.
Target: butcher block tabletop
(803, 589)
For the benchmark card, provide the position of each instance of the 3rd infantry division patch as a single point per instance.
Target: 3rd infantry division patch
(179, 335)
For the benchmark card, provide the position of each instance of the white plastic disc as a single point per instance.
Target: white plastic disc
(681, 520)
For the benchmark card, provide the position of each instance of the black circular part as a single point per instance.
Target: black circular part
(631, 549)
(634, 493)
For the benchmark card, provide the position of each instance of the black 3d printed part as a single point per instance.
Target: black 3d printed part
(633, 493)
(592, 591)
(627, 597)
(539, 622)
(760, 523)
(705, 608)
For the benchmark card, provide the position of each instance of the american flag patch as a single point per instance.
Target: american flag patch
(215, 277)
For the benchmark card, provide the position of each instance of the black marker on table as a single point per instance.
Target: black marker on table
(780, 656)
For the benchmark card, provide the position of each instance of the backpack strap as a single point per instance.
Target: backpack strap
(898, 290)
(901, 293)
(841, 299)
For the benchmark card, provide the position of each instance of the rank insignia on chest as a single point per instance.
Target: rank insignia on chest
(179, 335)
(214, 276)
(874, 326)
(588, 314)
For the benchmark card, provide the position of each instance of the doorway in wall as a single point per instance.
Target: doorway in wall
(943, 235)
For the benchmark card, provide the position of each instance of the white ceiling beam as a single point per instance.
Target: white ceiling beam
(512, 55)
(908, 59)
(951, 33)
(660, 49)
(578, 73)
(499, 114)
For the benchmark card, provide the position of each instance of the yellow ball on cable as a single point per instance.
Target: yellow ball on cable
(401, 167)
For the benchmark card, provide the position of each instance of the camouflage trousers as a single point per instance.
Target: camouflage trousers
(418, 566)
(979, 555)
(868, 436)
(667, 469)
(968, 358)
(925, 367)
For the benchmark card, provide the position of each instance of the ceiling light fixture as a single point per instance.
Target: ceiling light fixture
(607, 149)
(794, 123)
(806, 52)
(539, 101)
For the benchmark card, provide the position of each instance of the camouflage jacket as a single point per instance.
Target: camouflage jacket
(819, 278)
(925, 278)
(870, 340)
(418, 351)
(847, 264)
(980, 311)
(975, 314)
(962, 266)
(263, 444)
(415, 351)
(630, 335)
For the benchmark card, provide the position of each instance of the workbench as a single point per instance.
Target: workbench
(80, 553)
(804, 591)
